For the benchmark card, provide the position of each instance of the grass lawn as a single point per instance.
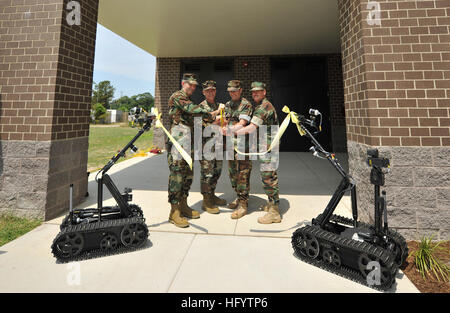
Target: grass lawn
(106, 141)
(12, 227)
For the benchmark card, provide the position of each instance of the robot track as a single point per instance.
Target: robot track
(345, 257)
(91, 240)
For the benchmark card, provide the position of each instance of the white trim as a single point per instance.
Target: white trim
(244, 117)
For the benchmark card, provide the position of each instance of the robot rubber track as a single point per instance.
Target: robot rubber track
(394, 235)
(328, 241)
(91, 240)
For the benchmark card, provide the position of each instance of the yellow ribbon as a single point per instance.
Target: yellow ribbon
(180, 149)
(291, 116)
(221, 118)
(278, 135)
(294, 119)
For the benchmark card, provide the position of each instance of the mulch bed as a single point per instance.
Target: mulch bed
(431, 284)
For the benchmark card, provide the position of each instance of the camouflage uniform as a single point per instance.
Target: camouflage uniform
(265, 114)
(210, 170)
(239, 170)
(181, 113)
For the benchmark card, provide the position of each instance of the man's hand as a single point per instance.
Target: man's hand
(247, 129)
(225, 131)
(221, 106)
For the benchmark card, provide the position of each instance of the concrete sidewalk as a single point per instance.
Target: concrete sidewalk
(215, 254)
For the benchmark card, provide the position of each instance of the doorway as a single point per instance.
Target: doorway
(301, 84)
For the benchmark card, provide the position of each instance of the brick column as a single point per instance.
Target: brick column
(46, 71)
(167, 82)
(337, 108)
(397, 90)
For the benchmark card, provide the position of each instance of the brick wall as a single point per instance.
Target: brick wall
(46, 77)
(28, 63)
(396, 84)
(71, 110)
(336, 89)
(258, 69)
(398, 74)
(167, 81)
(337, 105)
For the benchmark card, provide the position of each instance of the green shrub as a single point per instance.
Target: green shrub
(426, 262)
(99, 111)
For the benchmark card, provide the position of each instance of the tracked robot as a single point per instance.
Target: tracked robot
(368, 254)
(106, 229)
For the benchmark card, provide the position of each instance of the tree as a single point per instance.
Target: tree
(144, 100)
(124, 104)
(99, 111)
(103, 93)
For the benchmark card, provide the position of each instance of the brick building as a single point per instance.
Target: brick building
(380, 83)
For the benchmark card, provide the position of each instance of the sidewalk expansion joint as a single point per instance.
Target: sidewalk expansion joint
(181, 263)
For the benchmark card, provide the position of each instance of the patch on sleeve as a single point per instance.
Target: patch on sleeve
(257, 121)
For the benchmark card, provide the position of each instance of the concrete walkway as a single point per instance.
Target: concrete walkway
(215, 254)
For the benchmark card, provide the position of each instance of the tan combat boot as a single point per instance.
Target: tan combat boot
(186, 210)
(176, 218)
(266, 206)
(218, 201)
(233, 205)
(272, 216)
(208, 204)
(240, 211)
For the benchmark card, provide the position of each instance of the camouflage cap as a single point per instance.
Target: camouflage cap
(258, 86)
(234, 85)
(190, 78)
(209, 84)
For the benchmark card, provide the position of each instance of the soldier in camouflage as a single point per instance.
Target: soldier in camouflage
(265, 114)
(210, 169)
(238, 112)
(181, 114)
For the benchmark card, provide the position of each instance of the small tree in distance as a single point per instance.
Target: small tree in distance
(99, 112)
(103, 93)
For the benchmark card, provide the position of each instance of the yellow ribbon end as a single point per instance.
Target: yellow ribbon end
(292, 114)
(294, 117)
(158, 123)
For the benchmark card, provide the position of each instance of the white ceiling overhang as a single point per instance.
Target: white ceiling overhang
(175, 28)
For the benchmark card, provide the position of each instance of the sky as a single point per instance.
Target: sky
(130, 69)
